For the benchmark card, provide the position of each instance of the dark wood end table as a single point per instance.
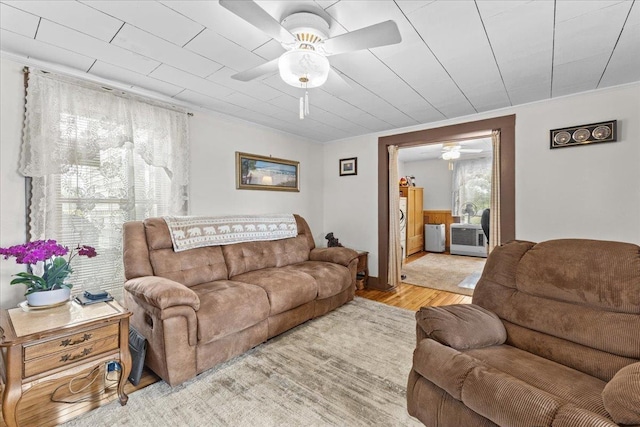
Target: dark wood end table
(362, 273)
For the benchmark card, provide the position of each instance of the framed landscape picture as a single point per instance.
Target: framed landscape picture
(349, 166)
(254, 172)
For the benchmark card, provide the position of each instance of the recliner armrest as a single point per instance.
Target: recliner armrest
(462, 326)
(162, 293)
(621, 395)
(336, 255)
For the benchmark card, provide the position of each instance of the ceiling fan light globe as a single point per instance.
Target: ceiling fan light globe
(303, 68)
(451, 155)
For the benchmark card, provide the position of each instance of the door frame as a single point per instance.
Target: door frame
(452, 133)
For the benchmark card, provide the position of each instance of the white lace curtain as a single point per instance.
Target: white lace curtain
(395, 250)
(471, 188)
(495, 230)
(98, 159)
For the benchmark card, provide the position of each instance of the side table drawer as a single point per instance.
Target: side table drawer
(71, 355)
(68, 343)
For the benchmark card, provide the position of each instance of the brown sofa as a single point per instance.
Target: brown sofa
(552, 339)
(201, 307)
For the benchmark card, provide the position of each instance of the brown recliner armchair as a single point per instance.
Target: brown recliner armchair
(203, 306)
(552, 339)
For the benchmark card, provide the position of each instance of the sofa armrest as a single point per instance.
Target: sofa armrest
(461, 326)
(162, 293)
(621, 395)
(336, 255)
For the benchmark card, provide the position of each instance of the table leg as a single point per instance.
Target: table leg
(125, 361)
(13, 387)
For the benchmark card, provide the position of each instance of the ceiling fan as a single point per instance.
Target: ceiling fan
(305, 36)
(452, 151)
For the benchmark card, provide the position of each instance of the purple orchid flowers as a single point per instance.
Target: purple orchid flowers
(50, 253)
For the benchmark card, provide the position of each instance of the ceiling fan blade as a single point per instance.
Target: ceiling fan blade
(259, 18)
(336, 84)
(255, 72)
(382, 34)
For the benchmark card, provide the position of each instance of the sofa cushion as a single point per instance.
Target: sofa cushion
(553, 289)
(157, 232)
(331, 278)
(462, 326)
(571, 385)
(135, 251)
(252, 256)
(572, 273)
(190, 267)
(480, 387)
(589, 360)
(286, 288)
(227, 307)
(508, 401)
(621, 395)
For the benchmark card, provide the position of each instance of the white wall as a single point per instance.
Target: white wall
(435, 177)
(214, 141)
(351, 202)
(213, 186)
(589, 191)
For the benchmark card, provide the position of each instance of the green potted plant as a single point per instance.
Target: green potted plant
(49, 287)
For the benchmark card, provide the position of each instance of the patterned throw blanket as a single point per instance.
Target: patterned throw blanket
(189, 232)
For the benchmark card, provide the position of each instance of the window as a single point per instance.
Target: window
(98, 160)
(471, 192)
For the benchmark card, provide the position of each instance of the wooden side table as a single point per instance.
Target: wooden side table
(362, 273)
(55, 360)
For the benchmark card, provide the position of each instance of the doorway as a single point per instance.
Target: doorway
(459, 132)
(454, 180)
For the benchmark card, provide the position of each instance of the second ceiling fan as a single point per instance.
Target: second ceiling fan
(305, 37)
(452, 151)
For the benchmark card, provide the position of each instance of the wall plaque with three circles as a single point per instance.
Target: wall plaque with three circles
(584, 134)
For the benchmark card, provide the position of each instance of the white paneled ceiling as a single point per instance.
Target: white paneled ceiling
(455, 58)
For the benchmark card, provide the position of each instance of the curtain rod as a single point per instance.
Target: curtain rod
(96, 85)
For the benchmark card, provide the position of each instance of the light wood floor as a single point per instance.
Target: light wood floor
(413, 297)
(405, 296)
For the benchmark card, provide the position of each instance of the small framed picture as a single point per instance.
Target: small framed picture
(349, 166)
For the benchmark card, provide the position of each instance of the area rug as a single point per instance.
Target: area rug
(470, 281)
(443, 272)
(347, 368)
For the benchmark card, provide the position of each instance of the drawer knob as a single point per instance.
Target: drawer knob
(68, 341)
(83, 353)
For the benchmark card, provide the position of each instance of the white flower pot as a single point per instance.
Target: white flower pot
(39, 299)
